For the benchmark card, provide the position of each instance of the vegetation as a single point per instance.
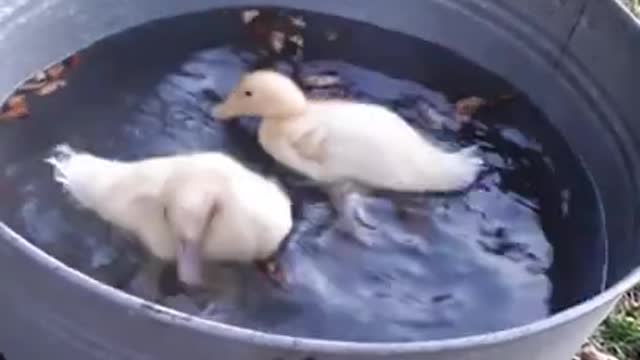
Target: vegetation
(634, 5)
(619, 334)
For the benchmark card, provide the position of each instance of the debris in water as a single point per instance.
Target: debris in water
(48, 81)
(272, 270)
(42, 83)
(15, 108)
(331, 35)
(249, 15)
(321, 80)
(329, 93)
(56, 71)
(50, 87)
(37, 81)
(275, 32)
(466, 108)
(298, 21)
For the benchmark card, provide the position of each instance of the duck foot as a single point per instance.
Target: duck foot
(348, 202)
(272, 270)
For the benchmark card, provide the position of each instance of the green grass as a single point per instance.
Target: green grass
(634, 5)
(619, 335)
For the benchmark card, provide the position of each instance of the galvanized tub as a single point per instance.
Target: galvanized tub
(573, 59)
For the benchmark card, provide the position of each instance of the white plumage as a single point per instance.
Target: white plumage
(183, 208)
(335, 141)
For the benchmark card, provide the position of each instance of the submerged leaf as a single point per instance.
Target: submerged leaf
(467, 107)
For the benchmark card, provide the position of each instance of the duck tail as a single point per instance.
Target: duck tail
(453, 171)
(60, 160)
(82, 175)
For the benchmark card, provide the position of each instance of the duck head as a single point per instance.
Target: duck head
(263, 93)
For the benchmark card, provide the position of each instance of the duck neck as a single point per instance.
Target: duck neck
(290, 114)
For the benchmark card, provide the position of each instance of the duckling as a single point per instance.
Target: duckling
(344, 144)
(221, 211)
(184, 208)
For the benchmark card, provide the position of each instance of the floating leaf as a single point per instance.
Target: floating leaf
(467, 107)
(56, 71)
(277, 41)
(32, 85)
(249, 15)
(15, 108)
(331, 35)
(39, 76)
(298, 21)
(274, 32)
(72, 61)
(51, 87)
(42, 83)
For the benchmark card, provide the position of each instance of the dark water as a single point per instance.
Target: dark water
(453, 265)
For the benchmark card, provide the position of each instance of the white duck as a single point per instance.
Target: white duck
(342, 143)
(184, 208)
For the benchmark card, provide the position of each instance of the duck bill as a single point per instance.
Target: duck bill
(189, 263)
(223, 111)
(219, 112)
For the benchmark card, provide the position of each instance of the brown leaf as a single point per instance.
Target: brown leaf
(51, 87)
(467, 107)
(37, 81)
(15, 108)
(71, 61)
(31, 85)
(275, 32)
(56, 71)
(16, 100)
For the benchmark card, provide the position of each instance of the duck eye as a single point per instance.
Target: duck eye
(248, 93)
